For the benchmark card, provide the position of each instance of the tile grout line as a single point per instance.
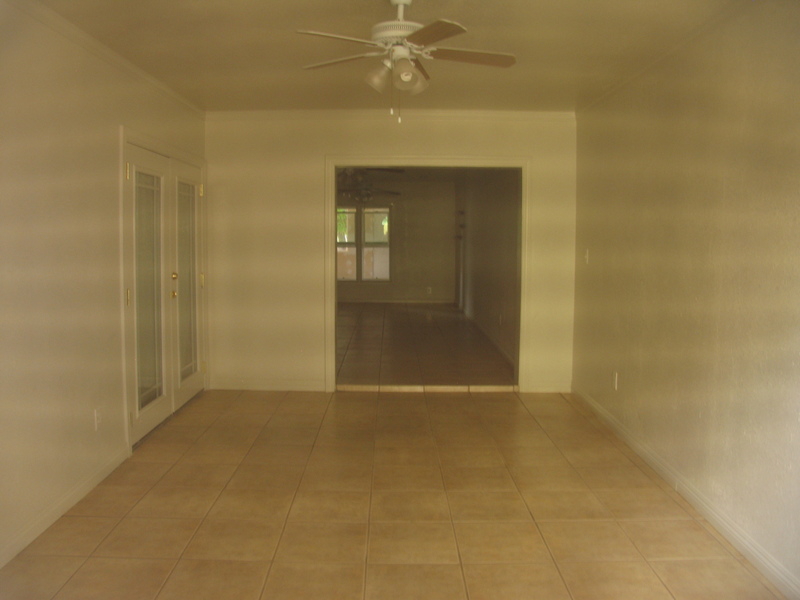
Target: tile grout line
(447, 498)
(530, 512)
(127, 513)
(294, 493)
(483, 412)
(211, 506)
(369, 507)
(384, 376)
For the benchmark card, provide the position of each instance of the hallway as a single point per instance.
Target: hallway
(368, 496)
(415, 345)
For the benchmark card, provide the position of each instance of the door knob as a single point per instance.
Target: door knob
(174, 275)
(174, 294)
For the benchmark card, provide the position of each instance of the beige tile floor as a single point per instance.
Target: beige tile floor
(415, 344)
(367, 496)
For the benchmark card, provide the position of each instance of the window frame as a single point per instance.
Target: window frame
(365, 244)
(347, 243)
(360, 243)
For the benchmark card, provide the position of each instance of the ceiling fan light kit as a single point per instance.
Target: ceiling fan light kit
(380, 76)
(404, 45)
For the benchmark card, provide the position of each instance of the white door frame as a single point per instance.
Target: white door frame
(143, 419)
(183, 172)
(180, 165)
(333, 162)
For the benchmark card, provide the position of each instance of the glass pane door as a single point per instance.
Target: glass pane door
(146, 250)
(148, 275)
(187, 279)
(162, 213)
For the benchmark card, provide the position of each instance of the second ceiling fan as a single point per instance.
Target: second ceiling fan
(403, 45)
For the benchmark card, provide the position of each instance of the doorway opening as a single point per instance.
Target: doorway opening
(428, 270)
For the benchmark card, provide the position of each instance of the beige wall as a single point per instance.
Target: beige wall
(271, 240)
(422, 238)
(492, 207)
(62, 102)
(688, 207)
(688, 181)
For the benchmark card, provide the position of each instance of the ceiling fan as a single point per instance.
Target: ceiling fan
(403, 45)
(354, 184)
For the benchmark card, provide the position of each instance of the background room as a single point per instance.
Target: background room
(443, 309)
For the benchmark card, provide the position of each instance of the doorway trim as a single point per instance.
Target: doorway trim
(334, 161)
(177, 161)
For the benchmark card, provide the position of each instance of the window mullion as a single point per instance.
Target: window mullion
(359, 241)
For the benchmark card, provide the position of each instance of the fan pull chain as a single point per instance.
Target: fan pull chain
(392, 93)
(398, 96)
(395, 107)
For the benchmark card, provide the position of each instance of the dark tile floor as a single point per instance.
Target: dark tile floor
(415, 345)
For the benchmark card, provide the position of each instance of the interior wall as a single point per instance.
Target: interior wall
(63, 99)
(422, 245)
(492, 214)
(269, 294)
(688, 209)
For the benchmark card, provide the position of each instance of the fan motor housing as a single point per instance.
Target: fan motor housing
(392, 32)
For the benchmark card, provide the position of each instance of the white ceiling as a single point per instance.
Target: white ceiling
(245, 54)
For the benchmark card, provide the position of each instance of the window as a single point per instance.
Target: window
(346, 250)
(375, 251)
(362, 244)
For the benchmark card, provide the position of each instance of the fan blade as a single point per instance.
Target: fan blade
(433, 32)
(421, 69)
(340, 37)
(489, 59)
(368, 190)
(343, 59)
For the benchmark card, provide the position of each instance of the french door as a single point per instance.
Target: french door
(162, 279)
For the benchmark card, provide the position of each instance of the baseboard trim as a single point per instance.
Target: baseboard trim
(777, 573)
(33, 529)
(430, 389)
(272, 385)
(490, 389)
(353, 387)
